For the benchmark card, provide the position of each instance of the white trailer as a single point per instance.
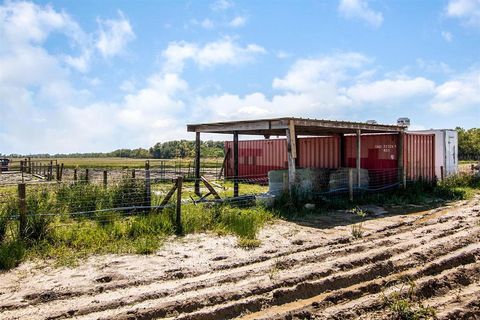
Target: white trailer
(446, 151)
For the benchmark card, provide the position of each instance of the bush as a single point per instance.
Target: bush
(128, 193)
(80, 197)
(11, 254)
(245, 223)
(4, 219)
(41, 207)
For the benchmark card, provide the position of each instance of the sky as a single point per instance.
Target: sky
(93, 76)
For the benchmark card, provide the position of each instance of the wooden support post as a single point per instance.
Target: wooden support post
(61, 171)
(178, 209)
(224, 164)
(75, 177)
(148, 192)
(292, 154)
(442, 173)
(105, 179)
(341, 151)
(22, 209)
(350, 183)
(169, 195)
(400, 157)
(235, 164)
(133, 173)
(210, 188)
(86, 176)
(197, 163)
(359, 157)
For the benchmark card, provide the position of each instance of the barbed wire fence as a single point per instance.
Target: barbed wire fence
(102, 196)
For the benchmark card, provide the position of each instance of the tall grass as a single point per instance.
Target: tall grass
(71, 221)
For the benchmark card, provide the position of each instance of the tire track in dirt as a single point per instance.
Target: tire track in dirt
(229, 290)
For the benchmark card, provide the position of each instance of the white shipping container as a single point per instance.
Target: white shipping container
(446, 151)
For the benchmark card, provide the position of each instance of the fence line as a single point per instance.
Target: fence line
(136, 192)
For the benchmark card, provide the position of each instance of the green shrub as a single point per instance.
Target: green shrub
(146, 245)
(80, 197)
(127, 193)
(152, 224)
(41, 208)
(245, 223)
(11, 254)
(199, 218)
(4, 220)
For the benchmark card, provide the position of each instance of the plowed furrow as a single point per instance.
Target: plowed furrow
(287, 288)
(371, 301)
(340, 272)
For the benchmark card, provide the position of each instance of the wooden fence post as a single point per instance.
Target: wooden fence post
(61, 172)
(75, 174)
(58, 172)
(133, 173)
(86, 175)
(22, 209)
(350, 183)
(105, 179)
(148, 196)
(50, 171)
(178, 220)
(442, 173)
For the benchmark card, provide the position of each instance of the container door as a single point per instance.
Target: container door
(450, 153)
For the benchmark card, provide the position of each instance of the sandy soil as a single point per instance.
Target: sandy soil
(307, 269)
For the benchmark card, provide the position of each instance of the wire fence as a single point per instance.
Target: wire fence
(81, 196)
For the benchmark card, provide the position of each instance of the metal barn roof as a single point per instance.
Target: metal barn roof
(278, 126)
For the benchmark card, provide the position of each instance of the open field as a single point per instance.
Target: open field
(124, 163)
(421, 263)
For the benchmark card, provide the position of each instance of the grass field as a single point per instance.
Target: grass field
(125, 163)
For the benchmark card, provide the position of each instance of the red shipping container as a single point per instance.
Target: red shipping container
(379, 155)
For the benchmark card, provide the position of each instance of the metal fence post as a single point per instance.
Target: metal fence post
(178, 220)
(22, 209)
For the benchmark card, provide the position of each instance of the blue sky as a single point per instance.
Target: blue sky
(85, 76)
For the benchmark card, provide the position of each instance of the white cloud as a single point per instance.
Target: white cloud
(282, 54)
(308, 74)
(447, 36)
(466, 10)
(458, 94)
(359, 9)
(390, 90)
(223, 51)
(434, 66)
(114, 35)
(221, 5)
(237, 22)
(207, 24)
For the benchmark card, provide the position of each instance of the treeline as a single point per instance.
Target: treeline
(165, 150)
(468, 143)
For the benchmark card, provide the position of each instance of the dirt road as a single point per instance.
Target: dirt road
(308, 269)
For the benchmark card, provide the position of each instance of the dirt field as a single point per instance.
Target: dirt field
(308, 269)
